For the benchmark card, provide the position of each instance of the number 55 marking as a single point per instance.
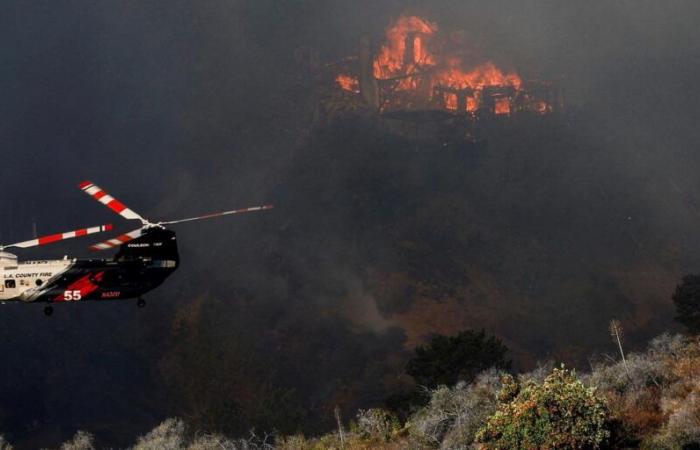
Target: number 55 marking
(72, 296)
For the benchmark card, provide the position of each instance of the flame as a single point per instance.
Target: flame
(396, 61)
(503, 106)
(415, 64)
(543, 107)
(480, 77)
(451, 101)
(473, 82)
(348, 83)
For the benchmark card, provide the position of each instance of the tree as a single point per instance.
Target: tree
(449, 359)
(687, 301)
(559, 413)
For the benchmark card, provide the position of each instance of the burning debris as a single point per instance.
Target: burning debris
(419, 68)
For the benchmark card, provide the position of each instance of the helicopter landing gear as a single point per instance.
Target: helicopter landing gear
(141, 303)
(48, 310)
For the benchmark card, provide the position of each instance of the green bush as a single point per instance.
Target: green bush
(559, 413)
(449, 359)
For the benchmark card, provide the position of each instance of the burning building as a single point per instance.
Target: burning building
(419, 68)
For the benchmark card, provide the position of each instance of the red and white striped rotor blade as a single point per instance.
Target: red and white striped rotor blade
(219, 214)
(110, 202)
(119, 240)
(45, 240)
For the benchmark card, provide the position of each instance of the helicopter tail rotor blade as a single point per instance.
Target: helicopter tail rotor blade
(119, 240)
(45, 240)
(219, 214)
(110, 202)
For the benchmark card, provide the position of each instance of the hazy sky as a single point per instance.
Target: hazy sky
(182, 107)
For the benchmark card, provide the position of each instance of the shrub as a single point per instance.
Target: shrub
(559, 413)
(682, 431)
(687, 300)
(643, 398)
(376, 424)
(4, 445)
(168, 435)
(81, 441)
(449, 359)
(217, 442)
(454, 415)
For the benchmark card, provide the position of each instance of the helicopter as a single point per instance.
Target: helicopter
(145, 257)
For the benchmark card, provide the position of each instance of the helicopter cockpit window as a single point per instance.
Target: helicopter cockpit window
(10, 284)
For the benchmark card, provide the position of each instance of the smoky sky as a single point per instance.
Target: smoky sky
(135, 90)
(184, 107)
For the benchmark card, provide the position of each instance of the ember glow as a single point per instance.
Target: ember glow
(503, 106)
(417, 67)
(348, 83)
(543, 107)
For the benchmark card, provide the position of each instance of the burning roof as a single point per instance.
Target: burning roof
(417, 67)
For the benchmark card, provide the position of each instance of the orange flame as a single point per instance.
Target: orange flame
(405, 52)
(478, 78)
(393, 59)
(503, 106)
(348, 83)
(412, 59)
(451, 102)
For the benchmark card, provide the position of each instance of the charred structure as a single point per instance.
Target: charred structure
(418, 68)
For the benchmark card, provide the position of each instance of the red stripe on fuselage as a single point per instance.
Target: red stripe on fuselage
(86, 285)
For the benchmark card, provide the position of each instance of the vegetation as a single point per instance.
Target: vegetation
(455, 414)
(449, 359)
(687, 300)
(560, 413)
(652, 403)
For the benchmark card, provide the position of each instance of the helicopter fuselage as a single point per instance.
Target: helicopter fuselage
(139, 266)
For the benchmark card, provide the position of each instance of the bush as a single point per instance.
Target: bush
(682, 431)
(649, 397)
(454, 415)
(172, 435)
(376, 424)
(168, 435)
(559, 413)
(687, 300)
(449, 359)
(633, 394)
(4, 445)
(81, 441)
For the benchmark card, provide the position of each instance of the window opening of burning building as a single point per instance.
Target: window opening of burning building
(418, 66)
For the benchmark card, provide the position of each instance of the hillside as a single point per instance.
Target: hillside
(651, 401)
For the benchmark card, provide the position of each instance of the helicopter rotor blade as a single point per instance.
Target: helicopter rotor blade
(219, 214)
(119, 240)
(110, 202)
(50, 239)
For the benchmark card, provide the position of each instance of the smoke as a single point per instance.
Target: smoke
(180, 108)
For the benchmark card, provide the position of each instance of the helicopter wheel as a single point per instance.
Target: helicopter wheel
(48, 310)
(141, 303)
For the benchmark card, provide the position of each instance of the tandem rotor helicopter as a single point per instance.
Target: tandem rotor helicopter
(146, 256)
